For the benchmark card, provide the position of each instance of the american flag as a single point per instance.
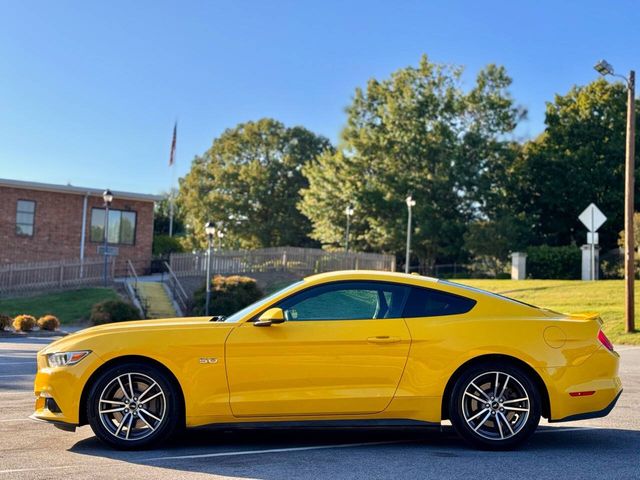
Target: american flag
(172, 157)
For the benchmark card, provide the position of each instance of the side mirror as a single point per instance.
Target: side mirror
(270, 317)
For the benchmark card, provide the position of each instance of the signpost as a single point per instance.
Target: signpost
(592, 218)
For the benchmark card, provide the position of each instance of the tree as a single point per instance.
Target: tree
(419, 132)
(161, 214)
(248, 182)
(578, 159)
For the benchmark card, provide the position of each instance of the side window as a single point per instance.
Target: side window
(423, 302)
(25, 217)
(346, 301)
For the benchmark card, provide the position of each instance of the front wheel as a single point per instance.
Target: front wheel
(133, 406)
(495, 406)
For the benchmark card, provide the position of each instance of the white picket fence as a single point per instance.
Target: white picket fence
(278, 259)
(51, 275)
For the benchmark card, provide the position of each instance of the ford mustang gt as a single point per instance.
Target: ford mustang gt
(351, 348)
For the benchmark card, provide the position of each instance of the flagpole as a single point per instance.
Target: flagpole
(172, 161)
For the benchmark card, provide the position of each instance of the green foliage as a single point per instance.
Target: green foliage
(162, 213)
(547, 262)
(5, 322)
(419, 132)
(113, 311)
(24, 323)
(48, 322)
(228, 295)
(579, 159)
(164, 244)
(248, 182)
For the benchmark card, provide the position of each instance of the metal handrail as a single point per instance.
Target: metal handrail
(177, 290)
(131, 273)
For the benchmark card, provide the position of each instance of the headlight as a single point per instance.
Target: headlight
(64, 359)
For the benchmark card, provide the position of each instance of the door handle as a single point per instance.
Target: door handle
(383, 339)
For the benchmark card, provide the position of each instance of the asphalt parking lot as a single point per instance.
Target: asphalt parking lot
(601, 448)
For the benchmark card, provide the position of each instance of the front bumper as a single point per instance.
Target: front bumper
(58, 391)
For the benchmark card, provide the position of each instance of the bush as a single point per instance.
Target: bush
(558, 263)
(24, 323)
(164, 244)
(49, 322)
(228, 295)
(5, 321)
(111, 311)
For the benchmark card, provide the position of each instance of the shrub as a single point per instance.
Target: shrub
(5, 321)
(24, 323)
(228, 295)
(49, 322)
(111, 311)
(164, 244)
(545, 262)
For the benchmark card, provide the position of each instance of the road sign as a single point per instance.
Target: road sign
(593, 237)
(592, 218)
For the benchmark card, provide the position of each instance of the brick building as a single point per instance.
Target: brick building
(40, 222)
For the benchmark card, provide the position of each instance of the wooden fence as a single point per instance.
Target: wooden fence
(280, 259)
(60, 274)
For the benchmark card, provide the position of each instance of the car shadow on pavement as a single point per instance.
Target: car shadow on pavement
(336, 454)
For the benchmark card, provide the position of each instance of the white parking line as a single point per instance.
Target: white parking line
(271, 450)
(221, 454)
(36, 469)
(16, 420)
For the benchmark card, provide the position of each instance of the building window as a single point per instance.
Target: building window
(122, 226)
(25, 217)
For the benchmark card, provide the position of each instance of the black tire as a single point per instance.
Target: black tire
(499, 422)
(154, 416)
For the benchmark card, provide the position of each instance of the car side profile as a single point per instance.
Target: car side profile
(351, 348)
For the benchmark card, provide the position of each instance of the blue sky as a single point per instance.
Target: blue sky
(89, 91)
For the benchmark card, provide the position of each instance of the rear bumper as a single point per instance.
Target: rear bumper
(597, 376)
(585, 416)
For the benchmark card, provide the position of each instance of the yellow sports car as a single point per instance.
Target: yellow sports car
(353, 348)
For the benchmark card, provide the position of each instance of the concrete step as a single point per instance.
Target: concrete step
(157, 299)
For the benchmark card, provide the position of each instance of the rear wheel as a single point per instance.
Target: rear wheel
(133, 406)
(495, 406)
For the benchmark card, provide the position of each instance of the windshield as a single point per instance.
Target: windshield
(241, 313)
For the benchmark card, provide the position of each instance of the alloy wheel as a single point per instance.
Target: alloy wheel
(132, 406)
(495, 405)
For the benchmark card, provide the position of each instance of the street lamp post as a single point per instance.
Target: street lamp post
(604, 68)
(210, 230)
(410, 204)
(107, 196)
(348, 211)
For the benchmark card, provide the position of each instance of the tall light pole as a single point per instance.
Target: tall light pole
(210, 230)
(107, 196)
(410, 204)
(348, 212)
(604, 68)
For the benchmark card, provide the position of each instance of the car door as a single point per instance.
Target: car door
(342, 350)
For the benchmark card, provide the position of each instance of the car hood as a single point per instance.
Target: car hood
(136, 326)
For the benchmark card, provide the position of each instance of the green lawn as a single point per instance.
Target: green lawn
(572, 296)
(69, 306)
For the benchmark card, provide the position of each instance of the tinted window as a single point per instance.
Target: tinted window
(346, 301)
(423, 302)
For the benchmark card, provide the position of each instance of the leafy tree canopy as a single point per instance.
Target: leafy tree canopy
(418, 131)
(248, 183)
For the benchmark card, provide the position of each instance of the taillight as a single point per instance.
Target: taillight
(606, 343)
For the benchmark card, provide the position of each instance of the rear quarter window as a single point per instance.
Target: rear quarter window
(423, 302)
